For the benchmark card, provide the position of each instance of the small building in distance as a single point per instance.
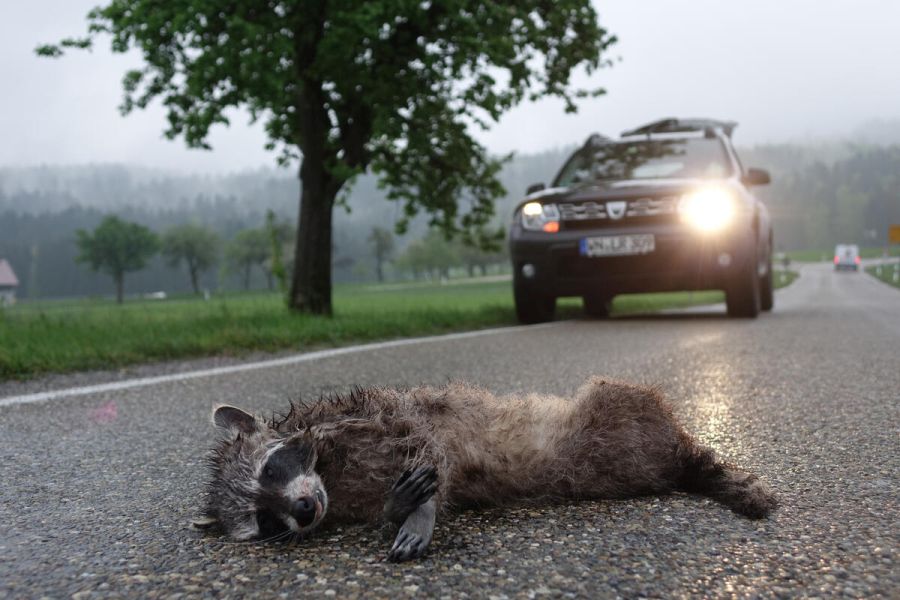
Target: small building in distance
(8, 284)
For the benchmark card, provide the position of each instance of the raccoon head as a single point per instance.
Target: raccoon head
(263, 481)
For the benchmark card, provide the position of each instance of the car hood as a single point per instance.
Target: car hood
(611, 190)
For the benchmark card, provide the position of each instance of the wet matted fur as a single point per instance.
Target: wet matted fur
(612, 440)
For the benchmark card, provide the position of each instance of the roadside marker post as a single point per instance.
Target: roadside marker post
(894, 238)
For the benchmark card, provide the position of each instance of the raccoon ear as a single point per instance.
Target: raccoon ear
(234, 419)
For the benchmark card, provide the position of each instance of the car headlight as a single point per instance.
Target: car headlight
(708, 209)
(540, 217)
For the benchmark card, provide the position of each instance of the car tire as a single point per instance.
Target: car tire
(767, 289)
(742, 296)
(597, 306)
(533, 307)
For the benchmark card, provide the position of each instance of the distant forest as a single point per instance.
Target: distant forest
(821, 194)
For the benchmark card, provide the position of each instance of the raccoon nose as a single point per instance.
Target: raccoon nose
(304, 510)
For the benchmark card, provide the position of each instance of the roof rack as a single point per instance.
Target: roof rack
(597, 139)
(672, 125)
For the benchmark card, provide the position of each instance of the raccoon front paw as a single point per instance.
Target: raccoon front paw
(414, 488)
(407, 546)
(415, 533)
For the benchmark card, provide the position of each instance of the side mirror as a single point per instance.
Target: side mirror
(534, 187)
(757, 177)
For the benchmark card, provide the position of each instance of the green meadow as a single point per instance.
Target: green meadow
(827, 254)
(62, 336)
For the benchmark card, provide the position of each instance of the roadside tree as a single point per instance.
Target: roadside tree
(473, 257)
(432, 256)
(280, 234)
(382, 242)
(195, 245)
(117, 247)
(249, 248)
(389, 86)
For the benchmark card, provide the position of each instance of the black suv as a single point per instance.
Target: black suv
(667, 207)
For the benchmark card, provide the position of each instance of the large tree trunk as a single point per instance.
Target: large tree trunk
(311, 280)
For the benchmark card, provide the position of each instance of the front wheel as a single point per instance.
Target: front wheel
(742, 296)
(766, 289)
(533, 307)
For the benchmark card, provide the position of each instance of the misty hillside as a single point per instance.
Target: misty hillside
(820, 195)
(42, 207)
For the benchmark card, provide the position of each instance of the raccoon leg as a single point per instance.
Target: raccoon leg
(415, 534)
(744, 493)
(410, 491)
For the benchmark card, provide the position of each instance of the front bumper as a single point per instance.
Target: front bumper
(682, 260)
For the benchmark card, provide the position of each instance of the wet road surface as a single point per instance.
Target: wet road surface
(98, 490)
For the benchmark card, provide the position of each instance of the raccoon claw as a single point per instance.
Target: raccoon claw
(415, 479)
(415, 534)
(204, 522)
(411, 490)
(407, 546)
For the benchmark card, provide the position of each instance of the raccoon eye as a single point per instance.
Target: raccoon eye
(268, 472)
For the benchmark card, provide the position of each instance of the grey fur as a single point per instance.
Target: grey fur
(415, 533)
(613, 440)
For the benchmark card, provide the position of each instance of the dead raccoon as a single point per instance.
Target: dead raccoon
(403, 456)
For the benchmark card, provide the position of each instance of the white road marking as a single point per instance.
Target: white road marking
(253, 366)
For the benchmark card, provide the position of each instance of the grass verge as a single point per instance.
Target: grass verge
(64, 336)
(783, 278)
(886, 273)
(827, 254)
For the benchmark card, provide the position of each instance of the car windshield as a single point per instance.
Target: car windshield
(650, 159)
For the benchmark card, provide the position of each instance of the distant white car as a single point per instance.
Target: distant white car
(846, 256)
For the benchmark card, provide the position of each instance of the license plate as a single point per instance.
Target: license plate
(617, 245)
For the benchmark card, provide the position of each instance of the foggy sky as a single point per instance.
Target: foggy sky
(785, 69)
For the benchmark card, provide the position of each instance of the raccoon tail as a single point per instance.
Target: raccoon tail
(744, 493)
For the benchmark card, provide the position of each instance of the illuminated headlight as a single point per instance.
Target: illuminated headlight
(708, 209)
(540, 217)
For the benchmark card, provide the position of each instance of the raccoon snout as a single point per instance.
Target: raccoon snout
(304, 510)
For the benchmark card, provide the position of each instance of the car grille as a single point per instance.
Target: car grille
(594, 213)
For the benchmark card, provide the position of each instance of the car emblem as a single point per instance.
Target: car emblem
(616, 210)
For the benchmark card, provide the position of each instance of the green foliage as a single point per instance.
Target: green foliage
(382, 242)
(280, 235)
(116, 247)
(249, 248)
(435, 255)
(818, 204)
(390, 85)
(195, 245)
(474, 257)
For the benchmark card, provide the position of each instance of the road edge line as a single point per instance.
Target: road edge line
(255, 366)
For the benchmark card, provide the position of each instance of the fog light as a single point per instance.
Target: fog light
(724, 259)
(528, 270)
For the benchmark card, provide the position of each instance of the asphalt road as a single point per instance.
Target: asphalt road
(97, 490)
